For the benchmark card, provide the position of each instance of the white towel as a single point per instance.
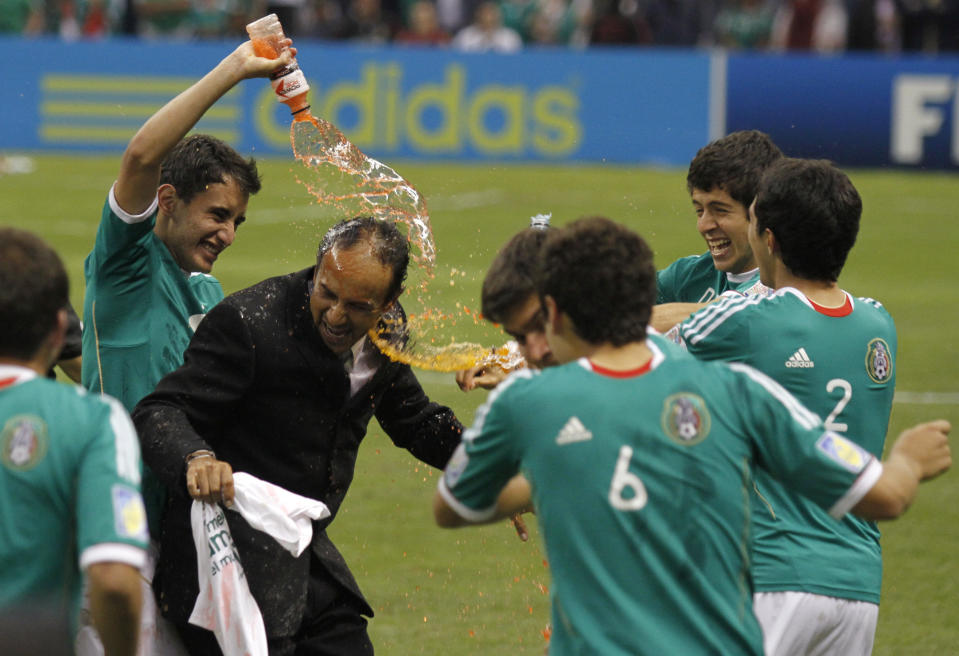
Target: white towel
(225, 605)
(286, 516)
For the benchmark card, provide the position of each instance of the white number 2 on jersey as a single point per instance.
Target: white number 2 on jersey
(624, 479)
(846, 387)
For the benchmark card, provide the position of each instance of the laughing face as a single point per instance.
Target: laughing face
(198, 231)
(349, 295)
(724, 225)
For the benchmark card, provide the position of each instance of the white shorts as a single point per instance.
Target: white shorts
(158, 637)
(800, 623)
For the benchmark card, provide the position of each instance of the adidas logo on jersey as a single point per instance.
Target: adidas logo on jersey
(800, 360)
(573, 431)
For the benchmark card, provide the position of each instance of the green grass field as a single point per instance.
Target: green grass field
(482, 591)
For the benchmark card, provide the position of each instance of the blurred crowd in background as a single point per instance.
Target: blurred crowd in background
(823, 26)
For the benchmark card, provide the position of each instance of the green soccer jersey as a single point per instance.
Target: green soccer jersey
(140, 308)
(641, 484)
(140, 311)
(69, 488)
(840, 363)
(694, 279)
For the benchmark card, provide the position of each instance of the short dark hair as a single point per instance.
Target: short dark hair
(387, 243)
(200, 160)
(33, 289)
(511, 278)
(813, 209)
(734, 163)
(601, 274)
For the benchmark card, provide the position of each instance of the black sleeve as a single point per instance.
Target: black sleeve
(74, 337)
(189, 405)
(429, 431)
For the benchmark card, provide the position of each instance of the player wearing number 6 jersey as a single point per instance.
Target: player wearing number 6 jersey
(639, 463)
(837, 355)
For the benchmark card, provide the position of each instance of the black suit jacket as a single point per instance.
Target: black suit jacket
(260, 388)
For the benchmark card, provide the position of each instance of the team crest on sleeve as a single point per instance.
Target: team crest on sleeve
(129, 514)
(842, 451)
(685, 418)
(24, 439)
(879, 360)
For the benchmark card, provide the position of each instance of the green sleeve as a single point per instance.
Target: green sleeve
(791, 443)
(488, 456)
(117, 247)
(109, 506)
(720, 331)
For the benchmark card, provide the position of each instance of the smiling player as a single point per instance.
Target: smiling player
(639, 463)
(175, 206)
(818, 580)
(722, 182)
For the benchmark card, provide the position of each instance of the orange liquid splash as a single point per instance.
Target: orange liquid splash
(341, 177)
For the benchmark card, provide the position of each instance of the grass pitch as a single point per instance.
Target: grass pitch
(481, 591)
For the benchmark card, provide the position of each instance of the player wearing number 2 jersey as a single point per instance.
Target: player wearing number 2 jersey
(639, 463)
(837, 355)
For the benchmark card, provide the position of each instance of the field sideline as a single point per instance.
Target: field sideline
(481, 591)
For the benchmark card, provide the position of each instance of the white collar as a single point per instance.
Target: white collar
(17, 373)
(741, 277)
(358, 347)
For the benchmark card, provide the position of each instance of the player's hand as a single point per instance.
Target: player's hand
(926, 446)
(210, 480)
(252, 66)
(485, 376)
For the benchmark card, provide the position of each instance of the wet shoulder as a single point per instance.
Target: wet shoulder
(273, 289)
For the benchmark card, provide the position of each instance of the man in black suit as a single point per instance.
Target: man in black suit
(280, 381)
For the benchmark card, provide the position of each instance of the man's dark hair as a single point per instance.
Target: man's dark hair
(201, 160)
(734, 163)
(33, 289)
(389, 245)
(511, 277)
(601, 274)
(813, 209)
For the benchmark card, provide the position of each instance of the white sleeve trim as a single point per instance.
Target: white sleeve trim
(467, 513)
(113, 552)
(854, 495)
(125, 216)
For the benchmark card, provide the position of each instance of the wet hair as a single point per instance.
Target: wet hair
(813, 209)
(510, 279)
(734, 163)
(33, 289)
(389, 246)
(200, 160)
(601, 275)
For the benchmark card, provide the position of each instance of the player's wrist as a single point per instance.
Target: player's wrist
(199, 453)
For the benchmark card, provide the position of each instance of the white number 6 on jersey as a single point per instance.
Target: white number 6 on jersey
(623, 479)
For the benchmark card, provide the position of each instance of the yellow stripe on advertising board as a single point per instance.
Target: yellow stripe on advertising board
(125, 110)
(107, 135)
(125, 84)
